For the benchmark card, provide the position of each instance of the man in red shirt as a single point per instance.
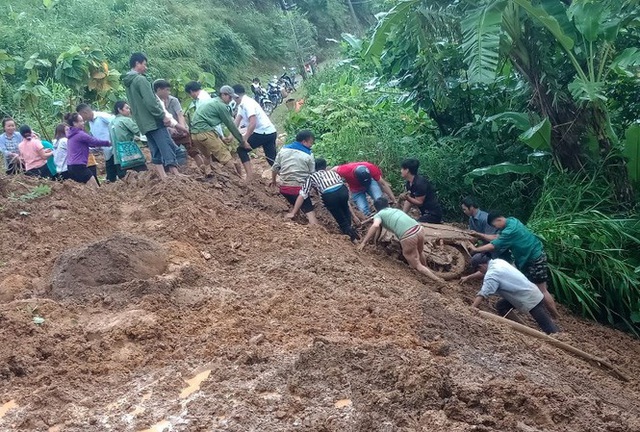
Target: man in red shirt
(364, 178)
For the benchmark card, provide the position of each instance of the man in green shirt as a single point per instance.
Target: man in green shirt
(208, 116)
(407, 229)
(527, 252)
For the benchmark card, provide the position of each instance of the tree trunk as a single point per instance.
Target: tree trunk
(352, 11)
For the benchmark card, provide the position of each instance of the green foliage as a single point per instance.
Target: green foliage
(481, 33)
(632, 152)
(356, 118)
(592, 256)
(35, 193)
(83, 46)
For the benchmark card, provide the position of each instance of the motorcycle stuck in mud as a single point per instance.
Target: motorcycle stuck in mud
(445, 249)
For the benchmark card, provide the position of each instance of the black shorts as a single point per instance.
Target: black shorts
(307, 205)
(537, 271)
(42, 171)
(79, 173)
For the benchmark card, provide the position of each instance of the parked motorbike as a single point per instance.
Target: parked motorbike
(287, 81)
(263, 99)
(274, 90)
(266, 104)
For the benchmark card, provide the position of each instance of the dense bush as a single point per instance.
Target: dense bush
(208, 40)
(357, 118)
(593, 256)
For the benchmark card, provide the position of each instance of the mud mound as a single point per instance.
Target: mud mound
(232, 319)
(110, 262)
(384, 383)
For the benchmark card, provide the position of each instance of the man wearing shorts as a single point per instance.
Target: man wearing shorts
(209, 115)
(408, 230)
(295, 164)
(527, 251)
(150, 117)
(260, 131)
(517, 292)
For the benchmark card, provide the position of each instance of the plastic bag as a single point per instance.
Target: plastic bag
(128, 155)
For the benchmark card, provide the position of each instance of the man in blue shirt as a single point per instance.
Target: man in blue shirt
(99, 128)
(477, 218)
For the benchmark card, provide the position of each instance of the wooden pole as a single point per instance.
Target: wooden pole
(353, 13)
(555, 342)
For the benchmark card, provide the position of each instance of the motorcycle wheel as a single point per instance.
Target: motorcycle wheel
(267, 107)
(447, 261)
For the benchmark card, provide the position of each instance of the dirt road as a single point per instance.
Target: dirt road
(184, 307)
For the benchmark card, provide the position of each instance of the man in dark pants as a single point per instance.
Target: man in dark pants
(420, 193)
(528, 252)
(260, 131)
(517, 292)
(99, 128)
(150, 117)
(334, 194)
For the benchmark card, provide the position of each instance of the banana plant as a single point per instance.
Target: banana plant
(32, 91)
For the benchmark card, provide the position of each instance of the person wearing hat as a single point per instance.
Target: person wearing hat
(406, 229)
(209, 115)
(517, 292)
(364, 178)
(260, 131)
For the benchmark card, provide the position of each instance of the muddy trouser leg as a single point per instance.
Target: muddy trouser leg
(269, 147)
(94, 172)
(337, 202)
(506, 310)
(544, 320)
(267, 142)
(111, 169)
(162, 147)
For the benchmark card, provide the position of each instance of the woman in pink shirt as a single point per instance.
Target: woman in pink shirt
(33, 154)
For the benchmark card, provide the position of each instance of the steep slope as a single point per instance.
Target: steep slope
(203, 310)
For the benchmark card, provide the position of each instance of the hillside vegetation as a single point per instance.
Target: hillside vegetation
(56, 53)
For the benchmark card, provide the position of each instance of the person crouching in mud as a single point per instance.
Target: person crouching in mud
(406, 229)
(517, 292)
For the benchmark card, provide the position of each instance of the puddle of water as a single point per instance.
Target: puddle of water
(343, 403)
(194, 383)
(7, 406)
(158, 427)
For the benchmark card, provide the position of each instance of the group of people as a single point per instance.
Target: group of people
(150, 111)
(522, 286)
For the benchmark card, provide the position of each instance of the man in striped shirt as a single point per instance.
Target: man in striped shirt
(334, 194)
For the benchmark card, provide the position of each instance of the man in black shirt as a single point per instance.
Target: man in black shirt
(420, 193)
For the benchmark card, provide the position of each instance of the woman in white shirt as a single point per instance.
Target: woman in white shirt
(60, 151)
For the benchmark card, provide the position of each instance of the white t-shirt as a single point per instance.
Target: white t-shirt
(249, 107)
(508, 282)
(202, 96)
(60, 154)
